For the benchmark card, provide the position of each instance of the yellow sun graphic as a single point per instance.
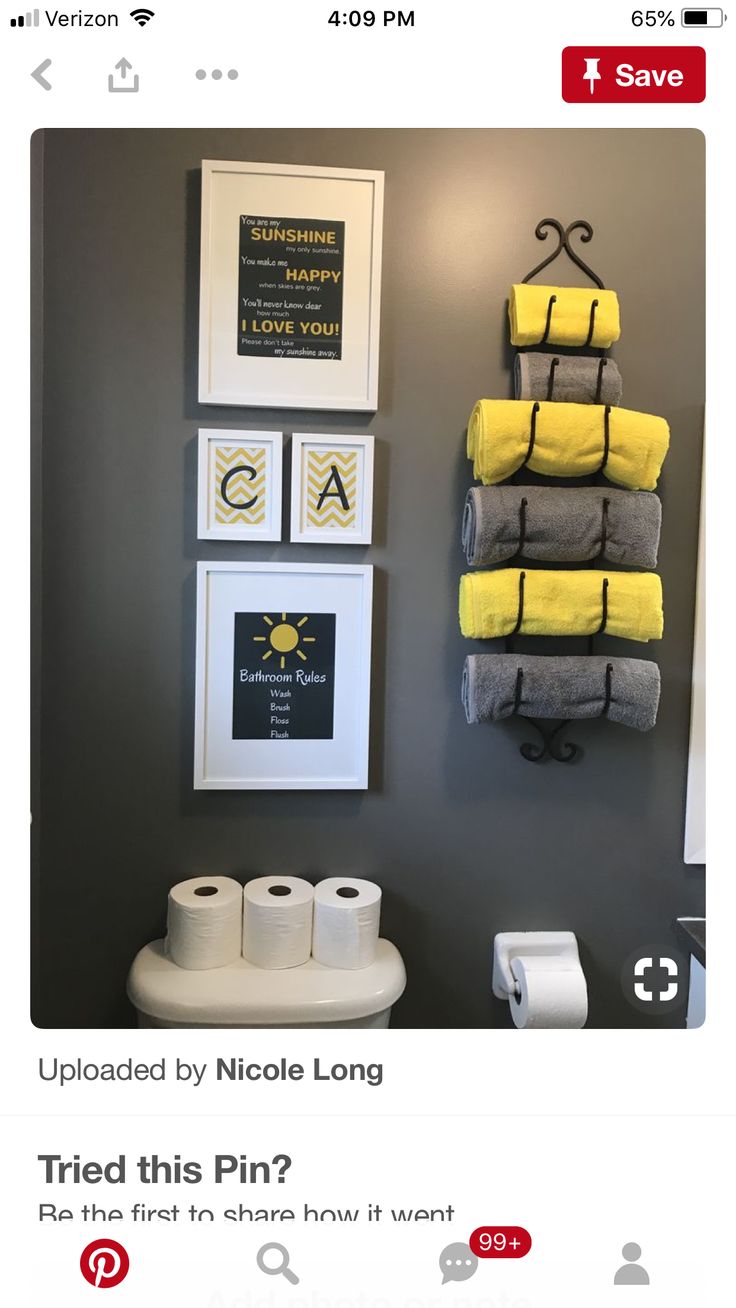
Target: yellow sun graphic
(285, 638)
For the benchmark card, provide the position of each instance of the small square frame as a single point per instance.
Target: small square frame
(338, 526)
(267, 474)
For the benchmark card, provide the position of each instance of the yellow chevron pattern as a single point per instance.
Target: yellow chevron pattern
(240, 488)
(319, 471)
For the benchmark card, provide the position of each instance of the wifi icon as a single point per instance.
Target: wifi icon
(142, 16)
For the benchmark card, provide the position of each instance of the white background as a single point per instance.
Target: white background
(581, 1188)
(638, 1122)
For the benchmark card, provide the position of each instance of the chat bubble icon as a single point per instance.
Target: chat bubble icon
(457, 1262)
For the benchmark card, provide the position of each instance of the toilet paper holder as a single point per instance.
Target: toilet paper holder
(560, 947)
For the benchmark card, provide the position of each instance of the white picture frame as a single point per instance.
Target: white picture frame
(283, 665)
(695, 825)
(332, 489)
(239, 484)
(339, 213)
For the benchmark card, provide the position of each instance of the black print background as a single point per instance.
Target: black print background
(265, 295)
(284, 710)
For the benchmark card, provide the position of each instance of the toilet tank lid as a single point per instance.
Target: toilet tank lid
(243, 995)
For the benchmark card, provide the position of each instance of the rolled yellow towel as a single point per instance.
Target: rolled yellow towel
(570, 440)
(569, 316)
(556, 603)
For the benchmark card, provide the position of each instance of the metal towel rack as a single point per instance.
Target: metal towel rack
(551, 745)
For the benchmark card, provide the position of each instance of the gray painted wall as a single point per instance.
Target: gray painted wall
(465, 837)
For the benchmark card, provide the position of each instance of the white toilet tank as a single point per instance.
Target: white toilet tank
(241, 995)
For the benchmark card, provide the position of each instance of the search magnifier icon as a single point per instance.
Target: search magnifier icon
(279, 1266)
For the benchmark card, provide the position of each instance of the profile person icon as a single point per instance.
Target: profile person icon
(631, 1273)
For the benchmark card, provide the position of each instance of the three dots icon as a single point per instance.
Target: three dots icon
(216, 74)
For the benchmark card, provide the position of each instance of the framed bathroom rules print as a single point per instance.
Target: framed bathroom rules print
(283, 660)
(290, 286)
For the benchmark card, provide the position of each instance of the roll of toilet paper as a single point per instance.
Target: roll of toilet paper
(550, 995)
(204, 923)
(277, 921)
(347, 914)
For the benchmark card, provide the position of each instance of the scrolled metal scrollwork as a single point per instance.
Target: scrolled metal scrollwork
(551, 746)
(565, 235)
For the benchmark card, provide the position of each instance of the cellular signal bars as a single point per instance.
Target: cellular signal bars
(26, 20)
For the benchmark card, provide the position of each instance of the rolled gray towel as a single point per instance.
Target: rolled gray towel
(567, 687)
(571, 377)
(560, 525)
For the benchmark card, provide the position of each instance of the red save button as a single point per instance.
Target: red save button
(633, 74)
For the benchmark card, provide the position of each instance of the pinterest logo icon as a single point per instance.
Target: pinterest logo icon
(104, 1263)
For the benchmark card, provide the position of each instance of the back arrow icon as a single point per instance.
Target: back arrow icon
(37, 74)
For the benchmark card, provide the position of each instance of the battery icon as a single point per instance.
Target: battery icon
(702, 18)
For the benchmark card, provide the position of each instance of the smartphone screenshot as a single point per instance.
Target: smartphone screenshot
(354, 657)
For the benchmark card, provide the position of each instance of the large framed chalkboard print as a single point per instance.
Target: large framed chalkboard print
(290, 286)
(282, 676)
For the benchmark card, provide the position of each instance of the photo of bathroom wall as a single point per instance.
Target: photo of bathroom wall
(504, 843)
